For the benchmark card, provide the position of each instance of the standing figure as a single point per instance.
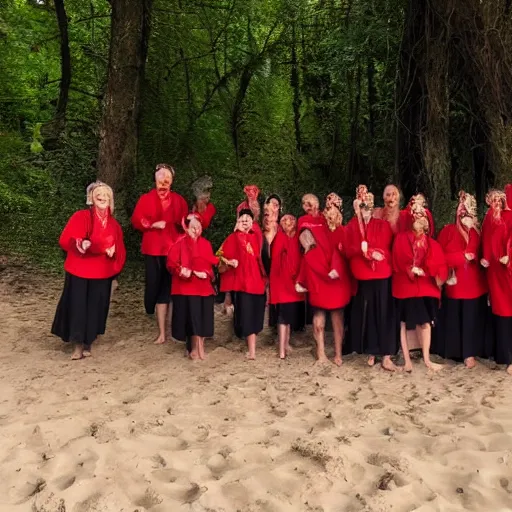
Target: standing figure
(462, 319)
(373, 316)
(391, 210)
(313, 218)
(191, 262)
(419, 270)
(408, 215)
(158, 216)
(324, 276)
(496, 243)
(284, 269)
(95, 254)
(202, 206)
(243, 268)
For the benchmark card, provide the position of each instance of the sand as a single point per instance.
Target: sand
(138, 427)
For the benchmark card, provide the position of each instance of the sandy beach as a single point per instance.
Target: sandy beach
(138, 427)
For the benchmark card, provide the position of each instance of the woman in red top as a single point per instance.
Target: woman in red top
(462, 319)
(391, 209)
(95, 254)
(284, 269)
(373, 317)
(407, 216)
(246, 277)
(158, 216)
(203, 207)
(419, 270)
(191, 262)
(324, 276)
(496, 244)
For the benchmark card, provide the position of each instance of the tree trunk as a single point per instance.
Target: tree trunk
(295, 83)
(65, 63)
(119, 131)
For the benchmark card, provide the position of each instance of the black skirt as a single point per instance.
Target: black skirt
(249, 313)
(501, 349)
(192, 315)
(82, 311)
(158, 283)
(462, 328)
(373, 319)
(418, 311)
(292, 314)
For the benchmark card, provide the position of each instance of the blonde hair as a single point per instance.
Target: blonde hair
(100, 184)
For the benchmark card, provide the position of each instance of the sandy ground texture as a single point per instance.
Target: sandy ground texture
(138, 427)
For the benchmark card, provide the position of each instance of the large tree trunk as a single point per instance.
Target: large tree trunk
(65, 64)
(119, 131)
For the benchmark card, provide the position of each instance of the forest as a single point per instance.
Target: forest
(294, 95)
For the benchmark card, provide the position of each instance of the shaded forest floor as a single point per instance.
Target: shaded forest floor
(139, 427)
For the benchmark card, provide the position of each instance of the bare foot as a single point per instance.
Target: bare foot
(322, 360)
(408, 367)
(435, 367)
(87, 352)
(338, 361)
(250, 357)
(289, 350)
(194, 356)
(509, 369)
(160, 340)
(470, 362)
(78, 353)
(371, 360)
(389, 366)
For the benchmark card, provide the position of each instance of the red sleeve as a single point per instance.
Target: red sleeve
(229, 248)
(120, 253)
(139, 216)
(431, 225)
(301, 277)
(352, 239)
(318, 263)
(436, 262)
(486, 242)
(174, 260)
(207, 216)
(402, 263)
(76, 229)
(382, 241)
(454, 259)
(208, 257)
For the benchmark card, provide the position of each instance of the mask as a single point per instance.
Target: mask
(467, 222)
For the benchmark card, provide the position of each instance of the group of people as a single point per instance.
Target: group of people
(378, 279)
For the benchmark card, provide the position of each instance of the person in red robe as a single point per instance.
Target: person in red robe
(203, 207)
(496, 244)
(158, 216)
(191, 262)
(407, 215)
(391, 209)
(462, 320)
(312, 218)
(373, 316)
(419, 270)
(243, 271)
(284, 269)
(252, 203)
(324, 276)
(95, 255)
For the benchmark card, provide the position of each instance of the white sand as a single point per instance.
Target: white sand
(139, 427)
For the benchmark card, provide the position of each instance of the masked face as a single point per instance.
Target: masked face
(163, 179)
(467, 222)
(289, 225)
(101, 198)
(244, 223)
(274, 204)
(391, 196)
(366, 213)
(496, 203)
(420, 225)
(194, 229)
(310, 204)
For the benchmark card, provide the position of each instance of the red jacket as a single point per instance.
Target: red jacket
(431, 260)
(94, 264)
(249, 275)
(405, 221)
(195, 255)
(284, 269)
(379, 236)
(148, 210)
(496, 243)
(324, 292)
(471, 281)
(311, 222)
(206, 216)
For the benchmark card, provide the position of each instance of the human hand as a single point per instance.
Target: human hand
(200, 275)
(333, 274)
(418, 271)
(110, 251)
(185, 272)
(299, 288)
(484, 263)
(469, 256)
(232, 263)
(364, 246)
(504, 260)
(377, 256)
(159, 225)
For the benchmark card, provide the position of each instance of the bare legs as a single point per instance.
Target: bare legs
(197, 352)
(78, 353)
(405, 348)
(338, 325)
(424, 334)
(284, 331)
(251, 345)
(228, 304)
(162, 312)
(319, 335)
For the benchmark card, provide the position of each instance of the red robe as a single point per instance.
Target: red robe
(195, 255)
(284, 269)
(94, 264)
(471, 281)
(405, 221)
(148, 210)
(206, 216)
(324, 292)
(430, 258)
(383, 214)
(378, 235)
(249, 275)
(496, 243)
